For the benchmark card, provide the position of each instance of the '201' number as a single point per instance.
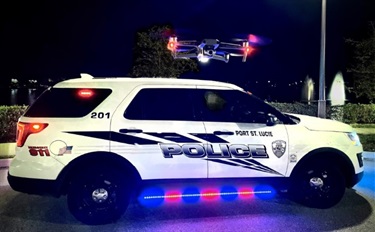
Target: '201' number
(99, 115)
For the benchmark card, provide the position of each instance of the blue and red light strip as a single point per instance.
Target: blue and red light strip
(157, 196)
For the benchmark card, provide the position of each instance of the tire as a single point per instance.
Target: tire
(98, 195)
(318, 186)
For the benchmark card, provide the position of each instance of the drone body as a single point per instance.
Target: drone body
(208, 49)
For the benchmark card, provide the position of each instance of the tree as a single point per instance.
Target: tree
(153, 59)
(362, 67)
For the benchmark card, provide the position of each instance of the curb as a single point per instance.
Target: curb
(368, 155)
(4, 163)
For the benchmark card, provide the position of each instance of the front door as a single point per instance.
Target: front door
(245, 143)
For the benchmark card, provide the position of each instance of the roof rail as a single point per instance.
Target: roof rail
(86, 76)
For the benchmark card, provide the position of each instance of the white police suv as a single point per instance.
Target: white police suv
(98, 140)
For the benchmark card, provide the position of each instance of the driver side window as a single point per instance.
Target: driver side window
(232, 106)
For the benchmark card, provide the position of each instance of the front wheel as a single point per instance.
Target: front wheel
(318, 186)
(98, 196)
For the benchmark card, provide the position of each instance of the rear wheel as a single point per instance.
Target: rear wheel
(98, 195)
(318, 186)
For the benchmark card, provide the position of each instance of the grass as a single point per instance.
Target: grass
(6, 156)
(369, 126)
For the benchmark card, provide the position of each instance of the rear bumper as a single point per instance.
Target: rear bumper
(34, 186)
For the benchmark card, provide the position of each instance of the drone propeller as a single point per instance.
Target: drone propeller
(254, 40)
(184, 49)
(230, 45)
(188, 43)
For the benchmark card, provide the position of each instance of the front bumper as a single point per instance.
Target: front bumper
(356, 179)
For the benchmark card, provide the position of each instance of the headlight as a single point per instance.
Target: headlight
(354, 138)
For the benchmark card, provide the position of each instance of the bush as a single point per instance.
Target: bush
(336, 113)
(9, 116)
(359, 113)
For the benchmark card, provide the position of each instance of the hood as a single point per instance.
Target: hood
(320, 124)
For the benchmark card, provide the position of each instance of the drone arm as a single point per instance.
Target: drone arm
(223, 57)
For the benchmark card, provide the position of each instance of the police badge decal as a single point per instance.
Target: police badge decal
(278, 148)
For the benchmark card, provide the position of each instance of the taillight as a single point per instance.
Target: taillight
(25, 129)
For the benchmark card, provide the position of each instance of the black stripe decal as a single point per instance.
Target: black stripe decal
(253, 166)
(211, 138)
(177, 138)
(256, 164)
(116, 137)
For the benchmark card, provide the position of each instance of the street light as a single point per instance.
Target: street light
(322, 94)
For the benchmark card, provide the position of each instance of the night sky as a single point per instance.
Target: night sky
(60, 39)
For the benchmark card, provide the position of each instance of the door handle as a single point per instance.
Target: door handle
(131, 131)
(223, 133)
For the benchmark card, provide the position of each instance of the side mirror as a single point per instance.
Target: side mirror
(271, 120)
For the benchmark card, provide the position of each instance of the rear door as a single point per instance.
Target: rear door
(241, 143)
(150, 129)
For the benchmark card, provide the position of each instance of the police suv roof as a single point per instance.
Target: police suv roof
(116, 81)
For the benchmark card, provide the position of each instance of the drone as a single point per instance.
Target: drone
(211, 49)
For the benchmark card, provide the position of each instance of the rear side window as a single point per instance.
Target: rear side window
(67, 102)
(162, 104)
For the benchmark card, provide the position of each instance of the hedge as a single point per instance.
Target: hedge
(8, 122)
(359, 113)
(349, 113)
(296, 108)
